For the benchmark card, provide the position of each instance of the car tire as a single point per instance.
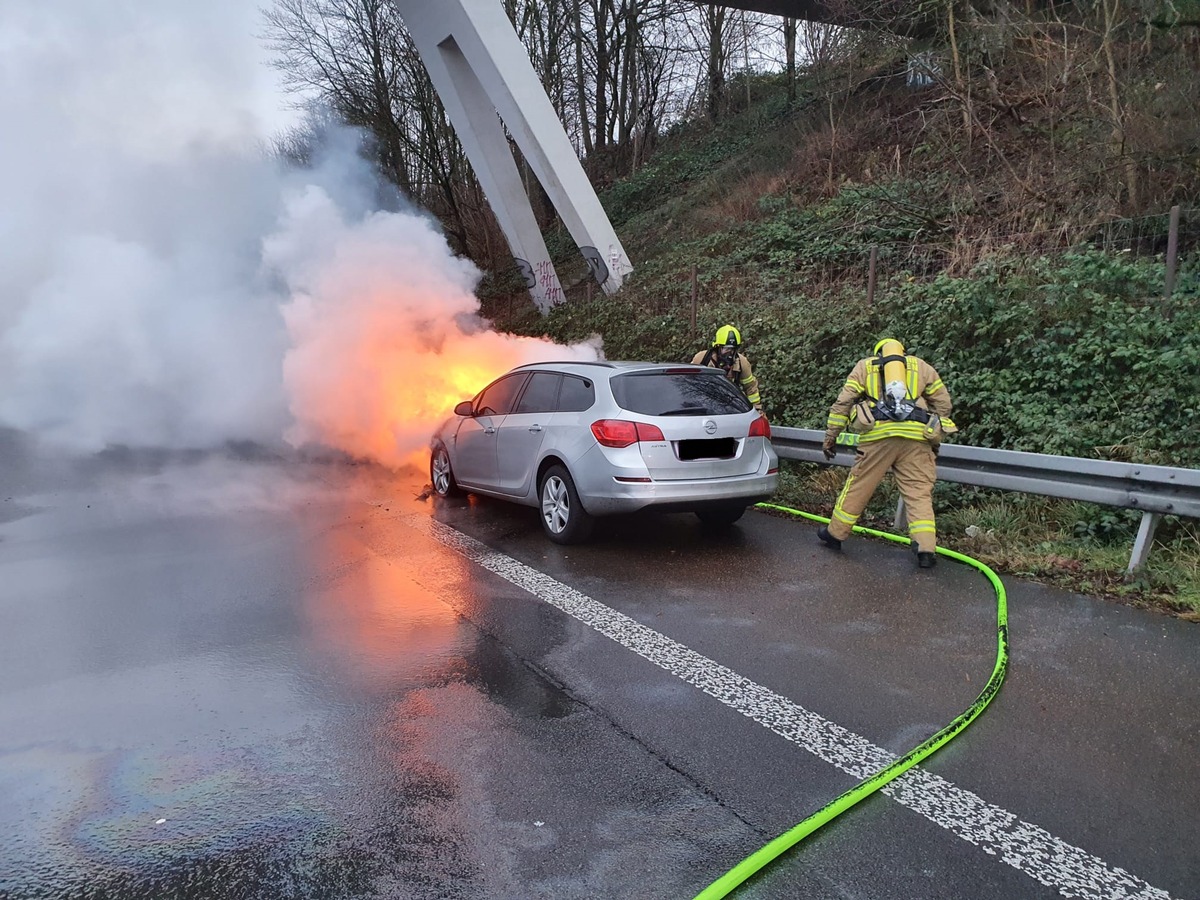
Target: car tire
(720, 516)
(564, 520)
(441, 476)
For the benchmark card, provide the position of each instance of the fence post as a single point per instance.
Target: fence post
(1172, 252)
(871, 277)
(695, 297)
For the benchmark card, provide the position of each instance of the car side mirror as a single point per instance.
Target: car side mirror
(463, 409)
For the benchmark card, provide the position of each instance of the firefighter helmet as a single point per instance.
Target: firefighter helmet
(727, 336)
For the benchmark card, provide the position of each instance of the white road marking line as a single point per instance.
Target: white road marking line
(1022, 845)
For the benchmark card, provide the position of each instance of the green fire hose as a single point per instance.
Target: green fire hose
(762, 857)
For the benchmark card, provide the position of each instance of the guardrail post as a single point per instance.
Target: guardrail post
(1145, 540)
(901, 520)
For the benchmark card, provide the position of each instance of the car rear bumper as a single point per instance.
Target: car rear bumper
(680, 496)
(608, 489)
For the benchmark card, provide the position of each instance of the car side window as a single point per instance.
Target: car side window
(576, 395)
(541, 393)
(497, 399)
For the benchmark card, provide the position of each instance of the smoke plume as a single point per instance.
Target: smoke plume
(164, 283)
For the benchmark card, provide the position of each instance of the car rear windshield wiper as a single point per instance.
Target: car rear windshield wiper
(686, 411)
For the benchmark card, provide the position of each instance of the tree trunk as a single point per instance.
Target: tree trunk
(1111, 11)
(716, 61)
(602, 62)
(964, 98)
(789, 49)
(581, 82)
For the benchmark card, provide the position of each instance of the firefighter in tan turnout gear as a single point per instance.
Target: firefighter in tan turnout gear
(725, 353)
(896, 410)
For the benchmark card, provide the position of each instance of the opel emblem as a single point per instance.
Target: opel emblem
(710, 427)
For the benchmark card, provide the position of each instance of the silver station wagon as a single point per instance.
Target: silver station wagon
(580, 440)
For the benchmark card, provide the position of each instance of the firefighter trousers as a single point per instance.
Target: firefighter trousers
(915, 467)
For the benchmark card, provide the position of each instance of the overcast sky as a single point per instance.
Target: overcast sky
(198, 67)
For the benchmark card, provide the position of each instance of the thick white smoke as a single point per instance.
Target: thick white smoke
(384, 333)
(132, 198)
(164, 284)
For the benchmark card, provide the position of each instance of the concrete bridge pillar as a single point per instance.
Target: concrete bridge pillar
(483, 75)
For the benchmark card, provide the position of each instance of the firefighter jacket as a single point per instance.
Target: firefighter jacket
(739, 373)
(855, 408)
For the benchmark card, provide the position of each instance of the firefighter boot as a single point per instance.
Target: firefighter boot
(924, 560)
(828, 539)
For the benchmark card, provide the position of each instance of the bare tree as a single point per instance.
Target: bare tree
(715, 23)
(355, 58)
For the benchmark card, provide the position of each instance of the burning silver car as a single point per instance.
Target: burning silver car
(587, 439)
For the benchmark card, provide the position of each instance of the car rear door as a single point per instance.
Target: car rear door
(475, 443)
(704, 419)
(520, 435)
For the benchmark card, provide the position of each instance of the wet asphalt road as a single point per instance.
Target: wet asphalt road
(231, 678)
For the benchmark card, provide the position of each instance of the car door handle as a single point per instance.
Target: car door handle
(489, 430)
(535, 428)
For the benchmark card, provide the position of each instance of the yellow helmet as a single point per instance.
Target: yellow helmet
(887, 340)
(727, 336)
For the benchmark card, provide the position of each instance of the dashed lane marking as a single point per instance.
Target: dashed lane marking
(1022, 845)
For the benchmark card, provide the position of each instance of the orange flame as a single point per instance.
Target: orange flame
(381, 395)
(385, 332)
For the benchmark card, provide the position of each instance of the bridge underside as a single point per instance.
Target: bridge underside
(812, 10)
(898, 16)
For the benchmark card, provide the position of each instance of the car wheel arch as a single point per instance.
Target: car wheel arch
(544, 466)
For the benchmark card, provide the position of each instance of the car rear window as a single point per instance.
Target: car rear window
(577, 394)
(679, 393)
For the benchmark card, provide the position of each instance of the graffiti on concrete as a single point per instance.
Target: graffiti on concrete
(596, 264)
(526, 271)
(547, 280)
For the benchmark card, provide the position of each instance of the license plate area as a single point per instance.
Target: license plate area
(709, 448)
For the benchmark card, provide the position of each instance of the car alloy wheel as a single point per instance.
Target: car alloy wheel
(440, 474)
(564, 519)
(556, 504)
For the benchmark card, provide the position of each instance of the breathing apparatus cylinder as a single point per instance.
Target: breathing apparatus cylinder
(895, 375)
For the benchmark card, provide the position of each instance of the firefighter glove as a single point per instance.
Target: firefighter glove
(828, 446)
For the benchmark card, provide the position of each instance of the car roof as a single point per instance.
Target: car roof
(577, 367)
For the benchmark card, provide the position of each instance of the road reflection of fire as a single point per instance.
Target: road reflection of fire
(374, 618)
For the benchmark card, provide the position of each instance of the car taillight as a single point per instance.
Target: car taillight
(760, 427)
(619, 433)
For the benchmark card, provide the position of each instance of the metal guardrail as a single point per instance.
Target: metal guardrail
(1154, 490)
